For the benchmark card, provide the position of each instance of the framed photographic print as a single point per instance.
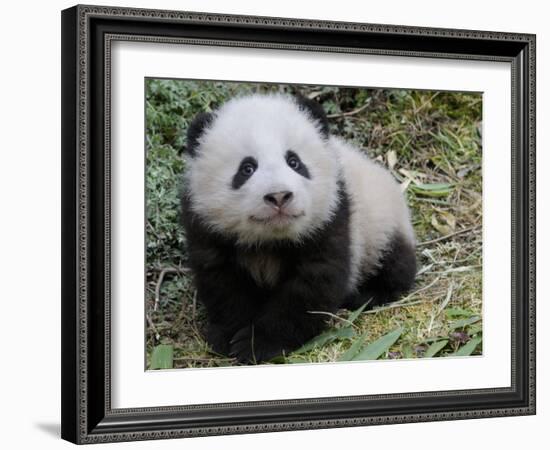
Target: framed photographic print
(283, 224)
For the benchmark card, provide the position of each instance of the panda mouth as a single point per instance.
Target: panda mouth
(280, 218)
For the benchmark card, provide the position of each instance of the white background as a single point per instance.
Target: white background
(30, 223)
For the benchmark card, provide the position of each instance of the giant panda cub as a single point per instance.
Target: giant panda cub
(284, 221)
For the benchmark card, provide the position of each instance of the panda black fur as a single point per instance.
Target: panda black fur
(283, 220)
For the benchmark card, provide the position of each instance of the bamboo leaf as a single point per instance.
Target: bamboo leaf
(279, 359)
(355, 314)
(349, 354)
(464, 322)
(475, 329)
(162, 357)
(433, 186)
(408, 352)
(433, 190)
(377, 348)
(457, 312)
(324, 338)
(468, 348)
(435, 348)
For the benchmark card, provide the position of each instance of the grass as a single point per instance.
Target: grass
(430, 141)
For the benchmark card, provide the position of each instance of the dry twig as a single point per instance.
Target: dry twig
(447, 236)
(163, 272)
(349, 113)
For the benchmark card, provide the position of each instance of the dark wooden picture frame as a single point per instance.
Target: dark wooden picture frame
(87, 34)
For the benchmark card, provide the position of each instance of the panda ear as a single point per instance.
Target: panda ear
(316, 111)
(196, 130)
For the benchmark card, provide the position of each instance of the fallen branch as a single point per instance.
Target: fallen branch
(152, 326)
(194, 304)
(333, 316)
(163, 272)
(349, 113)
(447, 236)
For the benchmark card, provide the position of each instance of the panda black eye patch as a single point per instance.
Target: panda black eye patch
(246, 169)
(296, 164)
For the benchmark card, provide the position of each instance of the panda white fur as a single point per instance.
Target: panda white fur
(282, 219)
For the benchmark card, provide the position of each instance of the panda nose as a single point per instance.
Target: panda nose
(278, 199)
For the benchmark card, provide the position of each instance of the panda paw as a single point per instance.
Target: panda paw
(250, 346)
(217, 339)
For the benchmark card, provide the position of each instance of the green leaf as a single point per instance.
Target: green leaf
(292, 360)
(432, 339)
(468, 348)
(408, 352)
(324, 338)
(354, 349)
(474, 329)
(457, 312)
(379, 347)
(435, 348)
(355, 314)
(433, 190)
(464, 322)
(162, 357)
(279, 359)
(433, 186)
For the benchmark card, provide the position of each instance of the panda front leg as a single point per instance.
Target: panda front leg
(285, 323)
(228, 310)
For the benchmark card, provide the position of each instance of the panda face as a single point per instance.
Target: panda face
(273, 193)
(262, 171)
